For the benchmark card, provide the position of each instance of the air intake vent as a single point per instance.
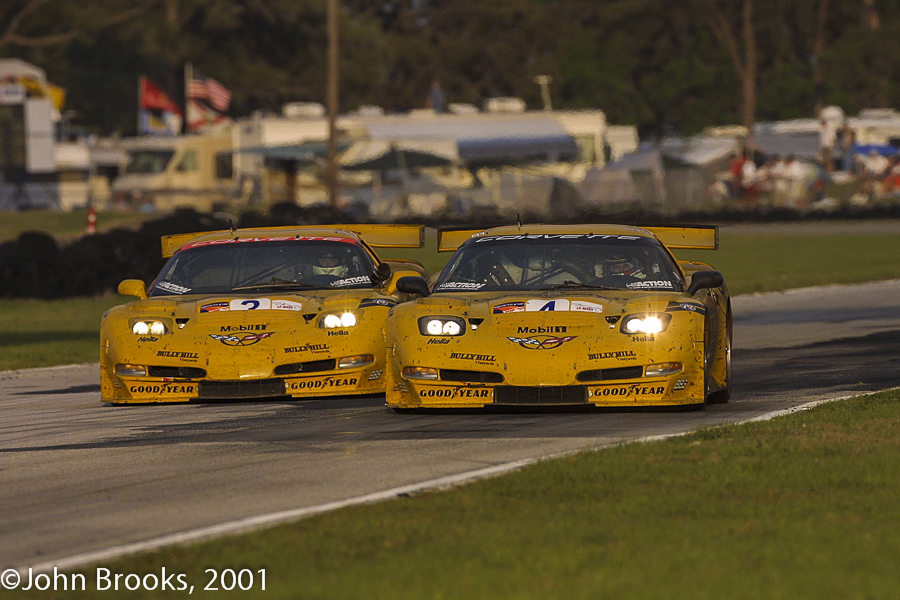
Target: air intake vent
(236, 390)
(540, 396)
(471, 376)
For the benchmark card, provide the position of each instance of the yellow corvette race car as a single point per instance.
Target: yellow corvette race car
(257, 313)
(544, 315)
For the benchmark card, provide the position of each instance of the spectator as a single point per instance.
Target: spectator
(749, 181)
(436, 99)
(848, 149)
(827, 138)
(795, 182)
(735, 170)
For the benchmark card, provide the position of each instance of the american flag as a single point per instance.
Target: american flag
(201, 87)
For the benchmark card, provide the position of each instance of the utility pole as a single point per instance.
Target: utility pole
(333, 81)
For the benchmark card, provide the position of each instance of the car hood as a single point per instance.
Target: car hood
(507, 307)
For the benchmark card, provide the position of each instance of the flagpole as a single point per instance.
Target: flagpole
(140, 106)
(188, 78)
(331, 166)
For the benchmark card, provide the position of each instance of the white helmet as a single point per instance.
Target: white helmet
(330, 263)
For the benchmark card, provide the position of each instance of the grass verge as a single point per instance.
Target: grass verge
(44, 333)
(792, 508)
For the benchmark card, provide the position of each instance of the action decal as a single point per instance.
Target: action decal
(172, 287)
(650, 285)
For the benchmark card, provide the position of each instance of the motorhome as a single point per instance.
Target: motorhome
(167, 172)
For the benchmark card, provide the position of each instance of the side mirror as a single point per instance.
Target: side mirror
(413, 284)
(381, 274)
(133, 287)
(703, 280)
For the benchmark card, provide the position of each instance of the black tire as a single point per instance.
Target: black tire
(724, 395)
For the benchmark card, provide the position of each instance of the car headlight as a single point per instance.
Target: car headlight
(442, 326)
(645, 324)
(149, 327)
(342, 319)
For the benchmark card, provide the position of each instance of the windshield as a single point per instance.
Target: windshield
(148, 161)
(541, 262)
(263, 266)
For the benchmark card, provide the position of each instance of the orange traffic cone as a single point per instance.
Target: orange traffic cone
(92, 221)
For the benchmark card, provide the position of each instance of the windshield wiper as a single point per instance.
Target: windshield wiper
(574, 285)
(275, 284)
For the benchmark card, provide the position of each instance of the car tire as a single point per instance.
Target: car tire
(724, 395)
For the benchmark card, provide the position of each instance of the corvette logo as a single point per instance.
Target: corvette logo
(541, 342)
(237, 340)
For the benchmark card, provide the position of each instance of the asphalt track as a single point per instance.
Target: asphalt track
(78, 478)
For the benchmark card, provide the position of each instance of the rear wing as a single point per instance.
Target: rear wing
(376, 235)
(451, 239)
(694, 237)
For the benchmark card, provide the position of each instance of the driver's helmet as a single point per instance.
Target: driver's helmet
(330, 262)
(620, 265)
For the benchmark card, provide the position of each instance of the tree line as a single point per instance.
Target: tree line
(669, 67)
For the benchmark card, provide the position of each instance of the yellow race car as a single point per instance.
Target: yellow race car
(546, 315)
(257, 313)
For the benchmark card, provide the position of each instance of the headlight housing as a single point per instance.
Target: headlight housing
(150, 327)
(342, 319)
(645, 323)
(449, 326)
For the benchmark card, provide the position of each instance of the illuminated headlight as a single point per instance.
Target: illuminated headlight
(645, 324)
(131, 370)
(361, 360)
(420, 373)
(148, 327)
(339, 319)
(442, 326)
(662, 369)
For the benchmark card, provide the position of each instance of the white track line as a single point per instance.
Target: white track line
(266, 520)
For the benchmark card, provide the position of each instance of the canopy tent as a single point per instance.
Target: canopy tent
(382, 155)
(311, 151)
(486, 140)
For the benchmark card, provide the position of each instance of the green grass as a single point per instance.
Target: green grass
(802, 507)
(64, 226)
(42, 333)
(777, 261)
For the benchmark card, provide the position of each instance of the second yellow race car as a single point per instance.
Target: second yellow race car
(546, 315)
(257, 313)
